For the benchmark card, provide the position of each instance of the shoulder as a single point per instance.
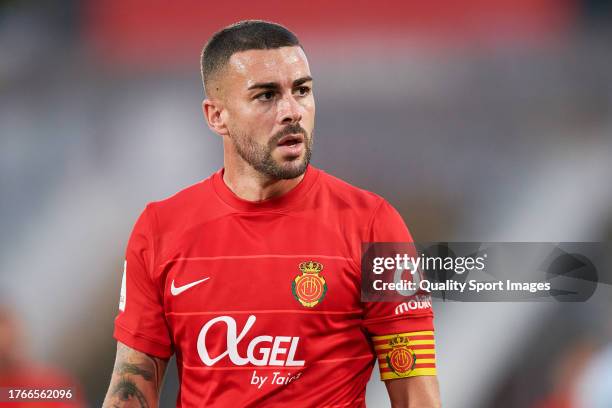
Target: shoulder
(366, 216)
(188, 204)
(183, 198)
(343, 193)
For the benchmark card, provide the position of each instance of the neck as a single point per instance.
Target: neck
(249, 184)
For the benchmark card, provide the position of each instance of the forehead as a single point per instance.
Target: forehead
(276, 65)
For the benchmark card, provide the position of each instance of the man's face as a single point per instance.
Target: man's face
(269, 109)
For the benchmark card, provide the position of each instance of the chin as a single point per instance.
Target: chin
(292, 169)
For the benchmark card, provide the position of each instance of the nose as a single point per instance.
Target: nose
(289, 110)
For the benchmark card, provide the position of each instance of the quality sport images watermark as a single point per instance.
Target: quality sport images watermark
(416, 273)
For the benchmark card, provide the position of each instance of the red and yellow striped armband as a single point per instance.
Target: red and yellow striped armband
(405, 354)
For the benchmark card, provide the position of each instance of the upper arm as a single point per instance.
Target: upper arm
(141, 321)
(136, 380)
(401, 328)
(421, 392)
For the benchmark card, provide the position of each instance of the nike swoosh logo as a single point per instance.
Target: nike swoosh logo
(177, 291)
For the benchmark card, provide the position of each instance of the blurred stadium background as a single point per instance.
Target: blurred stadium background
(479, 121)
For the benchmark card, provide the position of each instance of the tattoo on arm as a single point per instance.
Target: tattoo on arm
(136, 380)
(125, 393)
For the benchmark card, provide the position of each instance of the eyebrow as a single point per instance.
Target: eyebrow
(274, 85)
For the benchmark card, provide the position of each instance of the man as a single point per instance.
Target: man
(251, 277)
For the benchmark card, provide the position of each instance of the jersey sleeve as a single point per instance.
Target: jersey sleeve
(141, 323)
(402, 333)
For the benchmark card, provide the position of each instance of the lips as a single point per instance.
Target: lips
(291, 140)
(291, 146)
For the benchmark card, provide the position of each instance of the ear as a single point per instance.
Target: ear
(212, 112)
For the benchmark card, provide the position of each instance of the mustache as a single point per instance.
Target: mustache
(290, 129)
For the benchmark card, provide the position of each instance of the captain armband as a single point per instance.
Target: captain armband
(405, 354)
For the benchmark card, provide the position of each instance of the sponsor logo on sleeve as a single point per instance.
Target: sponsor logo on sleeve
(420, 302)
(123, 293)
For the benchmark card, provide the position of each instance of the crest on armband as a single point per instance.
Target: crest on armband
(401, 359)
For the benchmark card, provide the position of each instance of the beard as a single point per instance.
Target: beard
(260, 156)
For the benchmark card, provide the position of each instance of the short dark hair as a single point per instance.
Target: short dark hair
(242, 36)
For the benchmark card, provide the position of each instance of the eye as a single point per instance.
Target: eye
(303, 90)
(266, 96)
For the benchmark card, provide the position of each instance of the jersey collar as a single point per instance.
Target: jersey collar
(294, 196)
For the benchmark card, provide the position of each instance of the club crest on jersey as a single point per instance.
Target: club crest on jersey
(310, 287)
(401, 359)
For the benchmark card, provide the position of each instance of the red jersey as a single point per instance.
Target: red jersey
(260, 301)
